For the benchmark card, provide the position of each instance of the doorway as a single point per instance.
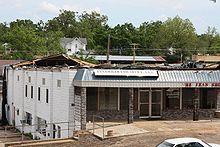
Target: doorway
(150, 103)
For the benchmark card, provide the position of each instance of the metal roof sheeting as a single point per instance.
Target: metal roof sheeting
(129, 58)
(169, 78)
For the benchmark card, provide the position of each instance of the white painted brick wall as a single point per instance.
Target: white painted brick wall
(58, 109)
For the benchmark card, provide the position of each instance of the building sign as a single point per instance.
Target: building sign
(125, 73)
(201, 84)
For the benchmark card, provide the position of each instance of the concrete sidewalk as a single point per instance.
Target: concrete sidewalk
(117, 131)
(146, 126)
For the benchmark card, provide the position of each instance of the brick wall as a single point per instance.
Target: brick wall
(187, 114)
(121, 115)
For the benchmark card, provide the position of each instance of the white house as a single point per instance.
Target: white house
(40, 98)
(73, 45)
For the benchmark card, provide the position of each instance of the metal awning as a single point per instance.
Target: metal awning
(168, 78)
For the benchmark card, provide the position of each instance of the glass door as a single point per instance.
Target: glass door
(150, 103)
(144, 103)
(156, 101)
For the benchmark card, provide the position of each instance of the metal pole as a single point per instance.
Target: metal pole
(22, 132)
(108, 49)
(5, 133)
(103, 128)
(68, 130)
(134, 49)
(93, 125)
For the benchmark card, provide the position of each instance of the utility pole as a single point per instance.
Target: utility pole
(134, 49)
(108, 49)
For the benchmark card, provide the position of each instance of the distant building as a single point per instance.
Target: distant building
(115, 59)
(73, 45)
(206, 58)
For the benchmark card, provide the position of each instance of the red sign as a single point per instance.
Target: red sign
(202, 84)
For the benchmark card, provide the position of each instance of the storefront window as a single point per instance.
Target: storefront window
(187, 96)
(124, 94)
(108, 98)
(208, 98)
(173, 98)
(92, 99)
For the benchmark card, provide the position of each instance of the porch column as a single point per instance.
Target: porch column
(83, 108)
(196, 105)
(130, 105)
(218, 100)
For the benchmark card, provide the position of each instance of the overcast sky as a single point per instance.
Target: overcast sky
(202, 13)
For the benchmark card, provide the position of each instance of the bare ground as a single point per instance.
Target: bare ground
(208, 131)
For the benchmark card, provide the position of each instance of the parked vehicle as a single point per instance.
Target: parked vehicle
(186, 142)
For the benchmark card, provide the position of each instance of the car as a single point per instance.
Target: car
(186, 142)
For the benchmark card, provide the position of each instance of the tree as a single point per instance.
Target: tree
(123, 36)
(94, 27)
(148, 32)
(65, 22)
(177, 33)
(22, 39)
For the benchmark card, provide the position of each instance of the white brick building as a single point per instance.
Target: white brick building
(43, 98)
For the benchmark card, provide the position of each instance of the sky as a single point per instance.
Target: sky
(202, 13)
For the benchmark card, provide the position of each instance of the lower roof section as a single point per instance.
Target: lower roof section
(165, 79)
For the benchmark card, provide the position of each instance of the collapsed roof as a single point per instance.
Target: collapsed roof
(56, 60)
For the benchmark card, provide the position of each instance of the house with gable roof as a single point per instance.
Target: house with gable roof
(73, 45)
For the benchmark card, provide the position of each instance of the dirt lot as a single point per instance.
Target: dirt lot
(156, 132)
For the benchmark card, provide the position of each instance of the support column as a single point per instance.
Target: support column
(218, 100)
(83, 108)
(130, 105)
(196, 105)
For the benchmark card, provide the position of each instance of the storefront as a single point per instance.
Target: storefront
(132, 94)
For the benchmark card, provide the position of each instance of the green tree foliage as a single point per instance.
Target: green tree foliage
(29, 40)
(177, 33)
(26, 42)
(65, 22)
(94, 27)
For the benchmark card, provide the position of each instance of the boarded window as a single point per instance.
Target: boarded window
(58, 83)
(43, 81)
(29, 79)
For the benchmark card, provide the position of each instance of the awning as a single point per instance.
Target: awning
(164, 78)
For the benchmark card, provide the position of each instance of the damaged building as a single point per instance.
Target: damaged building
(57, 95)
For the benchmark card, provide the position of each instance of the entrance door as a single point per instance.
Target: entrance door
(156, 100)
(144, 103)
(150, 103)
